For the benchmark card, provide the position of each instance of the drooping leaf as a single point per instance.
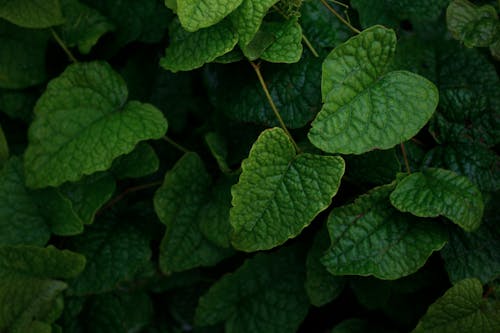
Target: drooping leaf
(286, 46)
(141, 162)
(82, 122)
(22, 58)
(191, 50)
(4, 149)
(20, 219)
(266, 294)
(434, 192)
(177, 204)
(30, 284)
(32, 13)
(366, 107)
(197, 14)
(280, 192)
(462, 309)
(370, 237)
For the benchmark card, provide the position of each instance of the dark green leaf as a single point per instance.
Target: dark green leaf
(197, 14)
(141, 162)
(32, 13)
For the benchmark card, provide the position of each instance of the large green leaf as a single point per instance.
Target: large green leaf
(20, 219)
(366, 107)
(178, 202)
(30, 284)
(82, 122)
(462, 309)
(266, 294)
(197, 14)
(280, 192)
(370, 237)
(190, 50)
(32, 13)
(286, 46)
(434, 192)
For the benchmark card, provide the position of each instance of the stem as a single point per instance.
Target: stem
(343, 20)
(405, 158)
(309, 45)
(129, 190)
(176, 145)
(63, 46)
(273, 106)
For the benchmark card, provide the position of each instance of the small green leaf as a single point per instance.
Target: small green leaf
(435, 192)
(266, 294)
(370, 237)
(287, 44)
(462, 309)
(279, 192)
(142, 161)
(191, 50)
(366, 107)
(32, 13)
(83, 122)
(197, 14)
(4, 149)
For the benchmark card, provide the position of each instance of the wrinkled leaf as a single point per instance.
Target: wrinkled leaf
(197, 14)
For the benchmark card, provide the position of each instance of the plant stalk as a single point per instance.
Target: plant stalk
(340, 17)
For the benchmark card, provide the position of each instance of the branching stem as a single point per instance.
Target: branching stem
(63, 46)
(340, 17)
(310, 46)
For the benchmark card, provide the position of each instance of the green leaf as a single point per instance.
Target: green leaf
(178, 202)
(279, 192)
(266, 294)
(374, 12)
(321, 286)
(142, 161)
(435, 192)
(32, 13)
(197, 14)
(462, 309)
(30, 283)
(83, 25)
(20, 219)
(473, 25)
(366, 107)
(115, 251)
(287, 44)
(17, 104)
(4, 149)
(22, 58)
(218, 148)
(370, 237)
(191, 50)
(83, 122)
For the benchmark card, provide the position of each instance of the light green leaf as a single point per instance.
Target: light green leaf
(141, 162)
(475, 26)
(4, 149)
(83, 122)
(20, 219)
(366, 107)
(370, 237)
(266, 294)
(22, 57)
(32, 13)
(30, 283)
(287, 44)
(462, 309)
(177, 204)
(197, 14)
(190, 50)
(434, 192)
(279, 192)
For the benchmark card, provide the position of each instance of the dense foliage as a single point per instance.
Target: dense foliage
(249, 166)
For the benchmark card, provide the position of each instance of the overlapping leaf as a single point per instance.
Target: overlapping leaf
(286, 45)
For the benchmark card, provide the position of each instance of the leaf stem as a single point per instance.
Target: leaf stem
(176, 145)
(405, 158)
(309, 45)
(127, 191)
(256, 68)
(63, 46)
(340, 17)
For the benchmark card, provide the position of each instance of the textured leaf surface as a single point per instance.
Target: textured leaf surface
(279, 192)
(82, 122)
(29, 283)
(370, 237)
(141, 162)
(287, 44)
(365, 107)
(191, 50)
(197, 14)
(266, 294)
(20, 219)
(32, 13)
(462, 309)
(435, 192)
(177, 203)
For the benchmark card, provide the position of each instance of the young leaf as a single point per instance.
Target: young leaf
(279, 192)
(287, 42)
(434, 192)
(83, 122)
(370, 237)
(366, 107)
(462, 309)
(197, 14)
(32, 13)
